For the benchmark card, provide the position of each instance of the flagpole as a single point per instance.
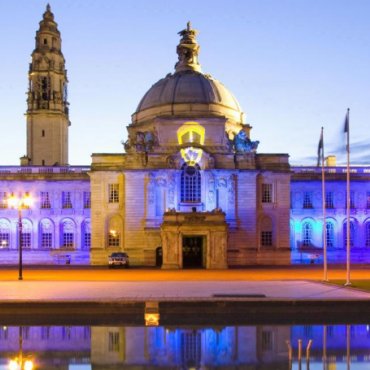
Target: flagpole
(324, 206)
(348, 231)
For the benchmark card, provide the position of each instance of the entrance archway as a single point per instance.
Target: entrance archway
(192, 252)
(194, 240)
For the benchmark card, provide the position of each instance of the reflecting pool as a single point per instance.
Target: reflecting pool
(194, 347)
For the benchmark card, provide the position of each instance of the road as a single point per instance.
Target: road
(73, 273)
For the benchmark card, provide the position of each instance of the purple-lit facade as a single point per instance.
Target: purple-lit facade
(56, 223)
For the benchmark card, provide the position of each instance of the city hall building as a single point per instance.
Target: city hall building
(190, 188)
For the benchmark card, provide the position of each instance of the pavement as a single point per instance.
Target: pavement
(74, 297)
(106, 291)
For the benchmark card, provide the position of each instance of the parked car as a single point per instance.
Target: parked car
(118, 259)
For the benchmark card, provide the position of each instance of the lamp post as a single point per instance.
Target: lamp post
(20, 203)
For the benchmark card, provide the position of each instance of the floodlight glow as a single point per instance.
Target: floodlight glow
(13, 201)
(13, 365)
(28, 365)
(23, 202)
(191, 133)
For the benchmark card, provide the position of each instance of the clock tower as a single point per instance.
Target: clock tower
(47, 112)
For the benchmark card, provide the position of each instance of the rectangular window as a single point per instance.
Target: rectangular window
(266, 341)
(113, 193)
(113, 342)
(45, 200)
(368, 200)
(45, 332)
(66, 200)
(25, 332)
(307, 200)
(266, 193)
(87, 199)
(367, 234)
(87, 241)
(352, 200)
(66, 333)
(266, 238)
(26, 240)
(4, 239)
(46, 240)
(329, 200)
(3, 200)
(113, 239)
(68, 240)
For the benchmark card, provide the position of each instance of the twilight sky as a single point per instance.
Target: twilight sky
(293, 65)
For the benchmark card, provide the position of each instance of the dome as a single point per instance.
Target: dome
(188, 87)
(188, 92)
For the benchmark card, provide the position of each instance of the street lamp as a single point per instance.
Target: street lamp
(19, 363)
(20, 203)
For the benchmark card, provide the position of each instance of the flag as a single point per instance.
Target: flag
(346, 122)
(320, 148)
(346, 129)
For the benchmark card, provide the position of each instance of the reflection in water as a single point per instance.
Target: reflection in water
(252, 347)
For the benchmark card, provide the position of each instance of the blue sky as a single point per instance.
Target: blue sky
(293, 65)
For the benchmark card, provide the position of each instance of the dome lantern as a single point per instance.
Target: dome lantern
(188, 50)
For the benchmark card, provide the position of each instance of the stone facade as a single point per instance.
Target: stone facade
(47, 106)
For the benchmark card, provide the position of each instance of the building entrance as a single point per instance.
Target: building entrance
(192, 251)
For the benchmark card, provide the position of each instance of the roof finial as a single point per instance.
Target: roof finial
(188, 50)
(48, 7)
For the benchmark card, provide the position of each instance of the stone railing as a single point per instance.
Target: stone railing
(338, 169)
(6, 170)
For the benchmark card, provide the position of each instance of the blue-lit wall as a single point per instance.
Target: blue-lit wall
(306, 222)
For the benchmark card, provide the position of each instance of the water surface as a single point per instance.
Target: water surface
(257, 347)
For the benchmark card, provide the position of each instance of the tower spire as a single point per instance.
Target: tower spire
(47, 105)
(188, 50)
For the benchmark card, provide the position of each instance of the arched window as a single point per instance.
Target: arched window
(46, 233)
(86, 234)
(190, 184)
(307, 234)
(115, 232)
(4, 234)
(68, 234)
(351, 233)
(367, 234)
(330, 234)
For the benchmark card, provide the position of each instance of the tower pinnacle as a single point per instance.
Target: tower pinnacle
(188, 50)
(47, 105)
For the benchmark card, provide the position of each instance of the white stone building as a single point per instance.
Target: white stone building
(189, 189)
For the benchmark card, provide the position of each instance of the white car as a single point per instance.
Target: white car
(118, 259)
